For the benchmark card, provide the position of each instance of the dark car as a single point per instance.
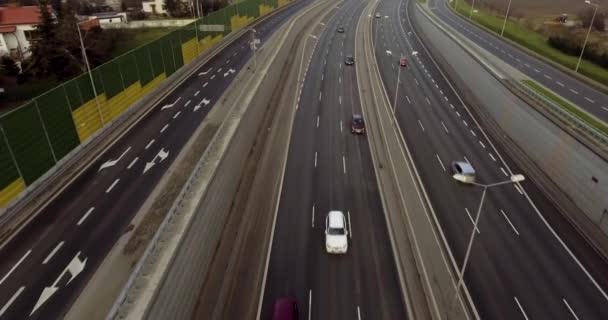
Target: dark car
(349, 61)
(357, 125)
(403, 62)
(340, 29)
(285, 309)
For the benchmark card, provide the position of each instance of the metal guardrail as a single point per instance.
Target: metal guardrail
(571, 118)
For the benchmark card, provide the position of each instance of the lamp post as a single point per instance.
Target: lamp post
(588, 32)
(253, 47)
(513, 179)
(397, 89)
(504, 24)
(471, 12)
(86, 62)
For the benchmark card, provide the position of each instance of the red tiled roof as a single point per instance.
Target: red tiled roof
(20, 15)
(7, 29)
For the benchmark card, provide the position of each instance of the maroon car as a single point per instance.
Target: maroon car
(357, 125)
(285, 309)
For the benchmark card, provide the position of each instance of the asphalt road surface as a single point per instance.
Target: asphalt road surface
(329, 168)
(583, 95)
(519, 268)
(44, 268)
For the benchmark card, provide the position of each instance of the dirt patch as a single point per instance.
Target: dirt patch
(152, 220)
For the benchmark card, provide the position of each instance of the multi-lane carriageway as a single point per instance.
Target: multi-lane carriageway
(46, 265)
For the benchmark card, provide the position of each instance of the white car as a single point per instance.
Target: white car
(378, 15)
(336, 235)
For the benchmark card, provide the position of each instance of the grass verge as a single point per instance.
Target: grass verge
(531, 40)
(592, 121)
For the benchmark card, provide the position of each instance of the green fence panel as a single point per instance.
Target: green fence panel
(111, 78)
(168, 55)
(156, 56)
(58, 122)
(176, 45)
(8, 171)
(128, 69)
(187, 33)
(27, 140)
(72, 92)
(144, 66)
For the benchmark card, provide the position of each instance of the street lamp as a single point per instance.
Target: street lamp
(471, 13)
(253, 47)
(513, 179)
(588, 32)
(397, 89)
(506, 16)
(86, 62)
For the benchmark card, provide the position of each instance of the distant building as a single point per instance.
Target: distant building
(109, 17)
(18, 30)
(153, 6)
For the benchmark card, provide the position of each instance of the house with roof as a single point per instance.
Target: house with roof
(18, 30)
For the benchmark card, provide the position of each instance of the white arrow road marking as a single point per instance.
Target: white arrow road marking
(162, 154)
(167, 106)
(74, 268)
(389, 52)
(227, 73)
(113, 162)
(204, 72)
(205, 101)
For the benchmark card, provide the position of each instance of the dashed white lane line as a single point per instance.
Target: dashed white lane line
(176, 114)
(320, 95)
(149, 144)
(197, 92)
(605, 109)
(187, 103)
(315, 159)
(465, 123)
(570, 309)
(219, 70)
(427, 100)
(228, 61)
(509, 221)
(234, 54)
(536, 70)
(340, 125)
(318, 121)
(85, 216)
(473, 133)
(344, 164)
(416, 81)
(444, 127)
(492, 156)
(15, 266)
(50, 256)
(520, 308)
(11, 300)
(472, 221)
(164, 128)
(573, 91)
(212, 77)
(559, 83)
(452, 106)
(482, 145)
(504, 172)
(590, 100)
(408, 99)
(309, 303)
(313, 216)
(358, 313)
(527, 65)
(467, 160)
(340, 99)
(339, 79)
(548, 77)
(112, 186)
(441, 163)
(458, 113)
(205, 84)
(421, 126)
(133, 162)
(322, 76)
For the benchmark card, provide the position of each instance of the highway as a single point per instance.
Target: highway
(527, 262)
(328, 168)
(46, 265)
(567, 86)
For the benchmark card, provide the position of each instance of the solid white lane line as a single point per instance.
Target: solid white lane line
(518, 189)
(509, 221)
(197, 92)
(482, 145)
(132, 162)
(444, 127)
(492, 156)
(473, 133)
(317, 121)
(309, 303)
(164, 128)
(176, 114)
(589, 100)
(472, 221)
(574, 91)
(206, 83)
(559, 83)
(313, 215)
(427, 100)
(149, 144)
(187, 103)
(344, 164)
(465, 123)
(441, 163)
(48, 258)
(15, 266)
(571, 311)
(84, 217)
(11, 300)
(520, 308)
(112, 186)
(350, 229)
(315, 159)
(504, 172)
(421, 125)
(408, 99)
(358, 313)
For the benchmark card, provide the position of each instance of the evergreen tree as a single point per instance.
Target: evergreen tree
(8, 67)
(44, 50)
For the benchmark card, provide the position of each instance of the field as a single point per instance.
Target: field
(544, 8)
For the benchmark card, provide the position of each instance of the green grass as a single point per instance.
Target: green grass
(133, 38)
(533, 41)
(592, 121)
